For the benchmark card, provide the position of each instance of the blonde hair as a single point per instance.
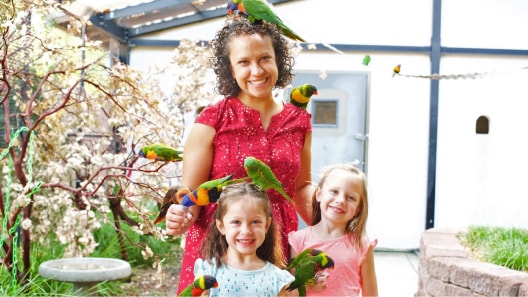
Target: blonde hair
(356, 226)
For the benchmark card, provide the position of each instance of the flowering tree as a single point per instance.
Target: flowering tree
(73, 121)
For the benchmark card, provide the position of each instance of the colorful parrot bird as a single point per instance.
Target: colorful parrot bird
(300, 95)
(307, 264)
(396, 70)
(262, 175)
(200, 284)
(161, 152)
(366, 60)
(173, 196)
(233, 8)
(260, 10)
(209, 191)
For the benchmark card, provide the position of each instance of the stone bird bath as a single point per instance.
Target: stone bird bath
(85, 273)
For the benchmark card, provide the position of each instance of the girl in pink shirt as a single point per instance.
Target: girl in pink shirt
(340, 209)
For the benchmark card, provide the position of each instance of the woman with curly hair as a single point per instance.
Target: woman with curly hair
(250, 61)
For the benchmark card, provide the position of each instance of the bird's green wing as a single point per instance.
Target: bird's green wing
(297, 259)
(166, 153)
(211, 184)
(259, 10)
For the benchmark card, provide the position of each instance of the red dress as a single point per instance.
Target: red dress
(239, 134)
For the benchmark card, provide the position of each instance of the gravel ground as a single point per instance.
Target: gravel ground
(148, 281)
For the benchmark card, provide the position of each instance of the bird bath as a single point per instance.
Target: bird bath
(85, 273)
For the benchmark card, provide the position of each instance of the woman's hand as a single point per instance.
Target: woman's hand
(178, 220)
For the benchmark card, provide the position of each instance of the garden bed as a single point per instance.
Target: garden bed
(446, 270)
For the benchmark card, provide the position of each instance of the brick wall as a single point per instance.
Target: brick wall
(445, 270)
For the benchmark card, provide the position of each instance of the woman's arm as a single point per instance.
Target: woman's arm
(303, 186)
(368, 275)
(197, 162)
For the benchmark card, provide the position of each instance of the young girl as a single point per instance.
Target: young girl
(242, 249)
(340, 208)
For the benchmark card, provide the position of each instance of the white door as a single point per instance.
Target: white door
(339, 118)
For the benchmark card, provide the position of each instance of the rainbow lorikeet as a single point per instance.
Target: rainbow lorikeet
(307, 264)
(260, 10)
(233, 8)
(366, 60)
(396, 70)
(209, 191)
(161, 152)
(173, 196)
(262, 175)
(300, 95)
(200, 284)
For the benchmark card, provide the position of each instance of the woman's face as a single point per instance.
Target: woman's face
(253, 65)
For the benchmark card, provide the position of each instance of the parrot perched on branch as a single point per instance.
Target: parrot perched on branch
(260, 10)
(161, 152)
(300, 95)
(173, 196)
(200, 284)
(209, 191)
(262, 175)
(307, 264)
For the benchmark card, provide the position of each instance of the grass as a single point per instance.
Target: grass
(109, 247)
(506, 247)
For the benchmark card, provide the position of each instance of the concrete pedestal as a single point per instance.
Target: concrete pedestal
(85, 273)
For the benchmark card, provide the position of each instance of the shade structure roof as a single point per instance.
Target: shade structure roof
(127, 19)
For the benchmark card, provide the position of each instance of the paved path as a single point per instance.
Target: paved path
(397, 273)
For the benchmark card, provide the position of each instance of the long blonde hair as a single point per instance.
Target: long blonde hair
(356, 226)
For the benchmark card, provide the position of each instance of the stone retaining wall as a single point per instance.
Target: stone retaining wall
(445, 270)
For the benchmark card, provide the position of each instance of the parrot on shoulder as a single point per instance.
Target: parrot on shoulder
(307, 264)
(201, 283)
(209, 191)
(259, 10)
(173, 196)
(300, 95)
(262, 175)
(161, 152)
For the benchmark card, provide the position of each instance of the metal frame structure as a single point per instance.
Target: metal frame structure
(128, 24)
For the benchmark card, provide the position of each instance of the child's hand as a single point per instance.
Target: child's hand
(319, 281)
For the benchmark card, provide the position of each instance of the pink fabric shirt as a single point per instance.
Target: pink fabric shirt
(345, 278)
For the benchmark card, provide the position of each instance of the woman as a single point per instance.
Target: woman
(250, 60)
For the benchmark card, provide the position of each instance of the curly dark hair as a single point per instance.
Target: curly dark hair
(226, 84)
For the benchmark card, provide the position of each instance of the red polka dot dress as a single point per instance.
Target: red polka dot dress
(239, 134)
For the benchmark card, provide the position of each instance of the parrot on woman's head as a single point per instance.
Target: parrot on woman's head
(260, 10)
(262, 175)
(300, 95)
(201, 283)
(161, 152)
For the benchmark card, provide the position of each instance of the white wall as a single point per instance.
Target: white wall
(480, 179)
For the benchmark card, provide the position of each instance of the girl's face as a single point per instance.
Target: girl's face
(340, 196)
(253, 65)
(244, 225)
